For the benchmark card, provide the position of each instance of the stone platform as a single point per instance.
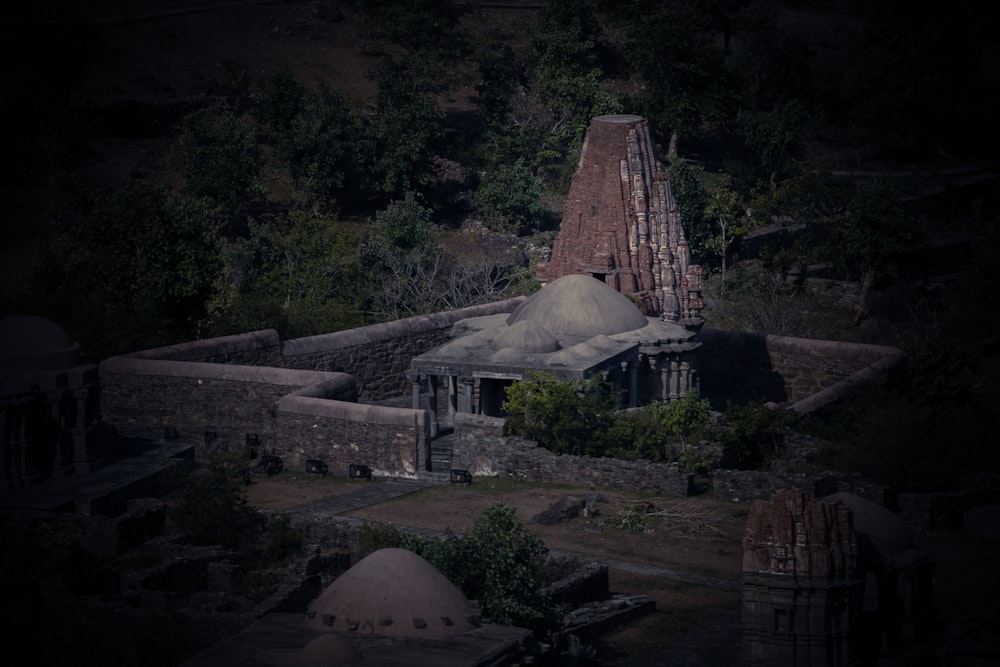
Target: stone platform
(107, 490)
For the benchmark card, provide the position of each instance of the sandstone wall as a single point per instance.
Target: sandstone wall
(800, 373)
(480, 448)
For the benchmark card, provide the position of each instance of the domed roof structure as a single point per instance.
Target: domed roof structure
(32, 343)
(579, 305)
(527, 337)
(395, 593)
(882, 536)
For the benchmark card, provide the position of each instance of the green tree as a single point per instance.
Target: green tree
(866, 231)
(323, 142)
(566, 74)
(429, 34)
(406, 128)
(692, 201)
(726, 208)
(672, 46)
(510, 199)
(774, 137)
(500, 76)
(130, 269)
(219, 157)
(298, 273)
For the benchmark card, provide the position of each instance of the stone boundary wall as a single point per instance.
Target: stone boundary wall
(800, 373)
(287, 393)
(743, 486)
(254, 348)
(379, 355)
(481, 448)
(143, 397)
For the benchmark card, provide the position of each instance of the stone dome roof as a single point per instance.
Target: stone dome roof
(395, 593)
(527, 337)
(31, 345)
(579, 305)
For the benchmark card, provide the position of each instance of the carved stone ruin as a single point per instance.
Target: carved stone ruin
(802, 594)
(621, 223)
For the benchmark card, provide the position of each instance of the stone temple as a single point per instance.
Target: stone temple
(574, 328)
(621, 223)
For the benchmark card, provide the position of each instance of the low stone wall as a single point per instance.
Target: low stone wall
(379, 355)
(392, 442)
(481, 448)
(796, 372)
(143, 397)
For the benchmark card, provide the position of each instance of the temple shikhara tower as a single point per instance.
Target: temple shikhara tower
(621, 224)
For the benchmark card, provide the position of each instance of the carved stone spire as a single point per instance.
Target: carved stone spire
(621, 223)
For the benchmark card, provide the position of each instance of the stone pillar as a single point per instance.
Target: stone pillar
(432, 405)
(414, 379)
(633, 383)
(801, 590)
(468, 385)
(452, 396)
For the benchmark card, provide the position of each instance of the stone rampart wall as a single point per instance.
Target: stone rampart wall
(481, 448)
(801, 373)
(379, 355)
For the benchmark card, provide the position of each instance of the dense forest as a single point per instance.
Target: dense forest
(308, 206)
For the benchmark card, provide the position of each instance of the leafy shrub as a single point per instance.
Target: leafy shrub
(565, 417)
(752, 434)
(280, 539)
(214, 508)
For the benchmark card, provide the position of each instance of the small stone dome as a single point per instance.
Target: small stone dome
(527, 337)
(395, 593)
(579, 305)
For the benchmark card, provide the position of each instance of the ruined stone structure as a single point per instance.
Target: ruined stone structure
(621, 223)
(801, 589)
(49, 407)
(831, 581)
